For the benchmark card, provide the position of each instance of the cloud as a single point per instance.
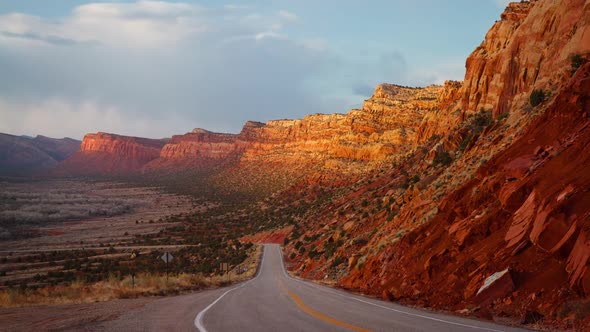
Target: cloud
(132, 67)
(54, 115)
(154, 69)
(288, 15)
(143, 24)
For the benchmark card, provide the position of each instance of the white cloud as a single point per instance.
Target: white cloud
(269, 35)
(64, 118)
(288, 15)
(155, 69)
(142, 24)
(152, 69)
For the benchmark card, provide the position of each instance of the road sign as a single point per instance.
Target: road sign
(167, 257)
(223, 267)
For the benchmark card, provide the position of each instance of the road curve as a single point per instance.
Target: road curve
(273, 301)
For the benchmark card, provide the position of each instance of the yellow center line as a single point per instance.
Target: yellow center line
(315, 313)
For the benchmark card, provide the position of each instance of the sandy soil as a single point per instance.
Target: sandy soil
(78, 317)
(153, 205)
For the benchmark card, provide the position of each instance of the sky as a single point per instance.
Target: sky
(160, 68)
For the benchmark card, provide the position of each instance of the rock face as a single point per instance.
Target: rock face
(530, 47)
(140, 149)
(445, 117)
(496, 286)
(505, 189)
(22, 155)
(199, 143)
(104, 153)
(386, 124)
(289, 149)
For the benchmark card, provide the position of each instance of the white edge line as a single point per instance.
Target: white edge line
(378, 305)
(199, 319)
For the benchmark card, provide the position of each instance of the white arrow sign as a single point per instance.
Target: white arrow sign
(167, 257)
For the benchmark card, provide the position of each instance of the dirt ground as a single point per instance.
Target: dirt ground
(153, 205)
(148, 215)
(78, 317)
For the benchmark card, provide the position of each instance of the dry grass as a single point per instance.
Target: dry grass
(146, 284)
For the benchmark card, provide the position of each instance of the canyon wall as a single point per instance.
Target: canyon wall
(107, 154)
(530, 47)
(496, 186)
(387, 124)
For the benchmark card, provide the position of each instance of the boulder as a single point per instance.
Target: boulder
(496, 286)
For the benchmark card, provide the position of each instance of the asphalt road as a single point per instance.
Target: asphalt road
(273, 301)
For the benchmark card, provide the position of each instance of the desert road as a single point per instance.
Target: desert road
(271, 301)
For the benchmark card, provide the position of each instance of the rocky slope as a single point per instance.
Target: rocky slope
(489, 214)
(23, 155)
(104, 153)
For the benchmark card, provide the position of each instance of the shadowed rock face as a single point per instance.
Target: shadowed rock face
(23, 155)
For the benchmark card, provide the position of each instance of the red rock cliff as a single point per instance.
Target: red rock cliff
(530, 47)
(199, 143)
(104, 153)
(387, 123)
(136, 148)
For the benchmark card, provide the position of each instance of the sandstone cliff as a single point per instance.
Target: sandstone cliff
(386, 124)
(106, 154)
(199, 143)
(497, 186)
(530, 47)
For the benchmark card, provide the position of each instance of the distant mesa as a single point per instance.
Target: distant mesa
(104, 153)
(20, 155)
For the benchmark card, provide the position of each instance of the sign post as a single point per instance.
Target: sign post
(225, 268)
(167, 257)
(133, 256)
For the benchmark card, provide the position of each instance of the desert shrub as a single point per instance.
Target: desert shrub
(576, 62)
(313, 254)
(331, 247)
(502, 116)
(359, 241)
(442, 158)
(392, 215)
(465, 142)
(482, 119)
(537, 97)
(337, 261)
(477, 122)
